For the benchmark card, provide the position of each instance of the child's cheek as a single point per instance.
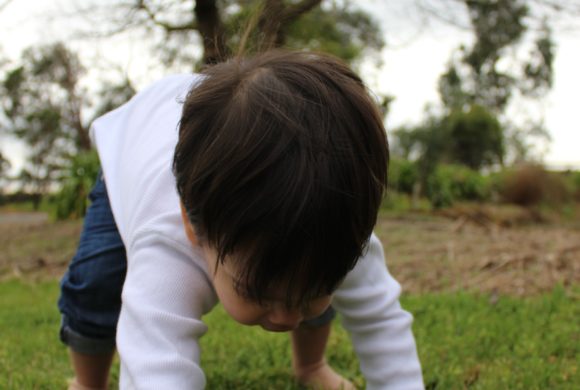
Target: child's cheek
(244, 312)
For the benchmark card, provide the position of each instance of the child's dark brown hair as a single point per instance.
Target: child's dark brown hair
(281, 165)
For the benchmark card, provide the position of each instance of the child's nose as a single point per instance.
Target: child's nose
(284, 317)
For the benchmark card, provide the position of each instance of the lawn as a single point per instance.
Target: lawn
(495, 308)
(466, 340)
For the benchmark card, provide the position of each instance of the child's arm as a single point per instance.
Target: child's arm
(164, 297)
(368, 301)
(310, 367)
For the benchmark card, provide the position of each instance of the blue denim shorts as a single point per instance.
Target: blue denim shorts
(90, 300)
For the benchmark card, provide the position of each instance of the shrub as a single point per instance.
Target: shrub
(450, 183)
(396, 201)
(573, 179)
(403, 174)
(77, 181)
(476, 137)
(530, 184)
(399, 202)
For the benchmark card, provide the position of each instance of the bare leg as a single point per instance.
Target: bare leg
(92, 371)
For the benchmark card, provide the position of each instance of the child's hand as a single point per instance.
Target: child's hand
(322, 377)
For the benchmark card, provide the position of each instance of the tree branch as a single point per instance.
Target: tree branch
(276, 17)
(168, 27)
(212, 31)
(560, 6)
(270, 23)
(447, 15)
(294, 11)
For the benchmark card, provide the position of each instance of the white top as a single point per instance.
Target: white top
(168, 289)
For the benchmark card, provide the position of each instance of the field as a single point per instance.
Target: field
(495, 307)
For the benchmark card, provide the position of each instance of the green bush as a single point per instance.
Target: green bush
(573, 179)
(403, 174)
(402, 203)
(396, 201)
(77, 181)
(450, 183)
(476, 137)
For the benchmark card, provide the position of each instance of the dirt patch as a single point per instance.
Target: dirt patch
(35, 248)
(425, 253)
(18, 218)
(437, 254)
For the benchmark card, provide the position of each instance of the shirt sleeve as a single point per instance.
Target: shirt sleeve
(368, 301)
(164, 296)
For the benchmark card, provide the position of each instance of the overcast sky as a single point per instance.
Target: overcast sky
(415, 56)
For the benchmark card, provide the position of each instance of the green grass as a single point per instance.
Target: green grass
(236, 357)
(464, 342)
(31, 356)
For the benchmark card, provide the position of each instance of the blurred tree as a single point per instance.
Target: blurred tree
(472, 137)
(480, 82)
(4, 167)
(403, 142)
(428, 143)
(220, 27)
(77, 180)
(482, 75)
(44, 105)
(475, 138)
(33, 183)
(111, 95)
(475, 74)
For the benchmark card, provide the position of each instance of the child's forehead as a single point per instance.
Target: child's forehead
(280, 292)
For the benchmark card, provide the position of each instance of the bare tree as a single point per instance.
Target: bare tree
(220, 27)
(274, 18)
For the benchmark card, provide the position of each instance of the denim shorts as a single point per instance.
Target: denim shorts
(90, 300)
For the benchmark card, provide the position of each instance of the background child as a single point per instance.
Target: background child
(261, 191)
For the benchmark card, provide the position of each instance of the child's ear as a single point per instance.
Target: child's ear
(189, 231)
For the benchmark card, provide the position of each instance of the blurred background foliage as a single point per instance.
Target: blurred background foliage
(465, 149)
(76, 183)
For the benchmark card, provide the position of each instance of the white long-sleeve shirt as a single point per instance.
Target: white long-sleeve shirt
(168, 288)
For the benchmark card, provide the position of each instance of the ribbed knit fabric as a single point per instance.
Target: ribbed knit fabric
(168, 289)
